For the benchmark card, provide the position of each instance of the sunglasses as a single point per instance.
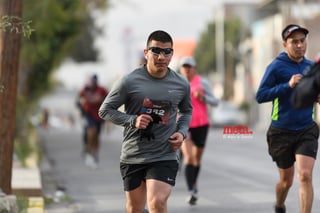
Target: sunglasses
(158, 50)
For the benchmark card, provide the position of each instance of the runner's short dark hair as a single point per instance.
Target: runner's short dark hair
(159, 35)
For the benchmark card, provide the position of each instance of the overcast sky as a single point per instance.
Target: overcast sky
(127, 25)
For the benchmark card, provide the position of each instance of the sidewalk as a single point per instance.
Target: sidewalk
(71, 185)
(53, 189)
(26, 182)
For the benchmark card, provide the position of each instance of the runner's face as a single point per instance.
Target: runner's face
(157, 64)
(187, 71)
(296, 46)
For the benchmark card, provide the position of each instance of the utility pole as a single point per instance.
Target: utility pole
(219, 18)
(301, 6)
(9, 66)
(127, 44)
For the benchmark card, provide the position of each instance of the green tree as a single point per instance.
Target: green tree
(205, 52)
(15, 24)
(63, 29)
(9, 62)
(57, 25)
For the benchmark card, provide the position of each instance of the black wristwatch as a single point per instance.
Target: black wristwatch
(184, 136)
(133, 122)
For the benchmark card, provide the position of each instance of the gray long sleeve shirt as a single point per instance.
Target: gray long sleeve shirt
(208, 95)
(166, 99)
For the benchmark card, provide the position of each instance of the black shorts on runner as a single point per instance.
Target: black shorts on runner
(285, 144)
(134, 174)
(199, 135)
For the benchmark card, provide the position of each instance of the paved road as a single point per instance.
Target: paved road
(237, 176)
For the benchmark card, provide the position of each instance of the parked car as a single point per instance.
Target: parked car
(227, 113)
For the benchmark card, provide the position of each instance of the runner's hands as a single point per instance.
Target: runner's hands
(143, 121)
(198, 94)
(176, 140)
(294, 80)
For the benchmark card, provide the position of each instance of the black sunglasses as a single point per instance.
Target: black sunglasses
(158, 50)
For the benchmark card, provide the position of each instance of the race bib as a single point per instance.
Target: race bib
(159, 110)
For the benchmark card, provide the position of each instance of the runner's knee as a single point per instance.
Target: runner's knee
(304, 176)
(157, 204)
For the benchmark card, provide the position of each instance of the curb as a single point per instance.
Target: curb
(35, 205)
(26, 182)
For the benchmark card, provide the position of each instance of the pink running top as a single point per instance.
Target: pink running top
(200, 110)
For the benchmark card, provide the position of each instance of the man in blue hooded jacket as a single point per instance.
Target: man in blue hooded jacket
(292, 135)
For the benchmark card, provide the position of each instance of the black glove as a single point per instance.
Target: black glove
(147, 132)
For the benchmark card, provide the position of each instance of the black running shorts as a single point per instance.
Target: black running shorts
(199, 135)
(134, 174)
(285, 144)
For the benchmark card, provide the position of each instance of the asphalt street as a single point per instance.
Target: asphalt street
(237, 174)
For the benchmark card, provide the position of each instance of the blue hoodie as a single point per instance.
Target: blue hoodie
(274, 87)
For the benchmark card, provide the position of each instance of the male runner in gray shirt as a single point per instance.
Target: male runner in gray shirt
(152, 96)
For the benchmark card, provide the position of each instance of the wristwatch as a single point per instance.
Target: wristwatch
(184, 136)
(133, 122)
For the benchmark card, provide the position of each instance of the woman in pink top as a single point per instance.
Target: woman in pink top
(193, 146)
